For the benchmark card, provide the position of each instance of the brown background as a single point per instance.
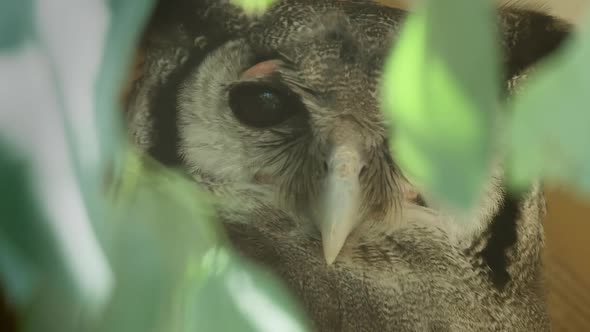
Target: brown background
(567, 268)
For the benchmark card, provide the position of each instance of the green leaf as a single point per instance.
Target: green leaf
(174, 269)
(550, 128)
(151, 241)
(128, 18)
(254, 7)
(251, 299)
(16, 22)
(155, 227)
(20, 234)
(441, 98)
(160, 224)
(33, 267)
(52, 259)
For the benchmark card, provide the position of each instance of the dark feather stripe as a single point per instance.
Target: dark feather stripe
(164, 112)
(172, 19)
(501, 235)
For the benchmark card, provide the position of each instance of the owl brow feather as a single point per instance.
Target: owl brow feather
(290, 77)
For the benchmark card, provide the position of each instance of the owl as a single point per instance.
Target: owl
(278, 116)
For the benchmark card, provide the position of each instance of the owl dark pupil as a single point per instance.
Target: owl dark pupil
(269, 101)
(261, 105)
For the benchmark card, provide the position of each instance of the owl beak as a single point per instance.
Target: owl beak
(341, 200)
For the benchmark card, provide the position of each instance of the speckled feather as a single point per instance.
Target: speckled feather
(422, 274)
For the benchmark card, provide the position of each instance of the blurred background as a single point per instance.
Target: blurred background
(567, 269)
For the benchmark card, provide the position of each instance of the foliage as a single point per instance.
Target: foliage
(442, 99)
(148, 258)
(254, 6)
(150, 255)
(15, 22)
(440, 91)
(550, 129)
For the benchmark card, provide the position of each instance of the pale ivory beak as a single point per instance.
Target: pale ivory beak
(341, 200)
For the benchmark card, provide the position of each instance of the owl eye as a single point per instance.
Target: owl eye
(262, 105)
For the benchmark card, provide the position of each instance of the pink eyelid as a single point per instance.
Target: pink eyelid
(261, 69)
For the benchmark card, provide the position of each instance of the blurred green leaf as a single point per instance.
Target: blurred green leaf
(157, 231)
(32, 266)
(16, 22)
(128, 18)
(84, 135)
(174, 269)
(252, 299)
(254, 7)
(550, 129)
(19, 261)
(69, 182)
(160, 224)
(441, 98)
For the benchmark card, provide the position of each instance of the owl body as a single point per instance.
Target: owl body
(279, 117)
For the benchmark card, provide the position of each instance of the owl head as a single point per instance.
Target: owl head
(286, 106)
(292, 106)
